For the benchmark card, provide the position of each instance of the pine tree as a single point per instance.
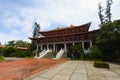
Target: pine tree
(108, 11)
(106, 17)
(101, 16)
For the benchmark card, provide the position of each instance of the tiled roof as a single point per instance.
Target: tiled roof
(68, 27)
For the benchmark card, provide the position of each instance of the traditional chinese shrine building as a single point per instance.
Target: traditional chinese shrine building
(62, 38)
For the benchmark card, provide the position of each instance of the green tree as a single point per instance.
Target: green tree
(108, 11)
(109, 40)
(11, 43)
(19, 43)
(22, 43)
(109, 36)
(100, 13)
(106, 17)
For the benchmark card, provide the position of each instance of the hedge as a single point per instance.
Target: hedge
(101, 64)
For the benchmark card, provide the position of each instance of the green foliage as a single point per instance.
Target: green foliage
(2, 58)
(11, 43)
(100, 64)
(101, 16)
(117, 60)
(108, 11)
(9, 51)
(87, 56)
(75, 52)
(109, 36)
(105, 17)
(22, 43)
(95, 53)
(19, 43)
(23, 54)
(109, 40)
(1, 51)
(54, 54)
(33, 47)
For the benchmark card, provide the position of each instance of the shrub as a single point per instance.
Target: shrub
(2, 58)
(87, 57)
(23, 54)
(54, 54)
(9, 51)
(1, 51)
(75, 52)
(95, 53)
(101, 64)
(117, 60)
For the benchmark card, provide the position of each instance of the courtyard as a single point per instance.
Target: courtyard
(48, 69)
(78, 70)
(19, 69)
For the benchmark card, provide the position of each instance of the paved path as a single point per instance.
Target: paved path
(78, 70)
(115, 68)
(12, 58)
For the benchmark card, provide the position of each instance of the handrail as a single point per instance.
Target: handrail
(59, 54)
(44, 53)
(41, 53)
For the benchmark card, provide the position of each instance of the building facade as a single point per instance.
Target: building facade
(63, 38)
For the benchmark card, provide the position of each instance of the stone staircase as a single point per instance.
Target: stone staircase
(43, 53)
(59, 54)
(49, 55)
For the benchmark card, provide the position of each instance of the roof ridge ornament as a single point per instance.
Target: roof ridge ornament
(72, 25)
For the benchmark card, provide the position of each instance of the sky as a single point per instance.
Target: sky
(17, 17)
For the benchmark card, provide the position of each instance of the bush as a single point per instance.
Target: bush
(95, 53)
(87, 57)
(100, 64)
(8, 51)
(117, 60)
(12, 51)
(75, 52)
(54, 54)
(23, 54)
(2, 58)
(1, 52)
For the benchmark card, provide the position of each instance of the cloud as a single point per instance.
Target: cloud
(18, 17)
(4, 38)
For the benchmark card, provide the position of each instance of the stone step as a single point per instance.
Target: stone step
(48, 55)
